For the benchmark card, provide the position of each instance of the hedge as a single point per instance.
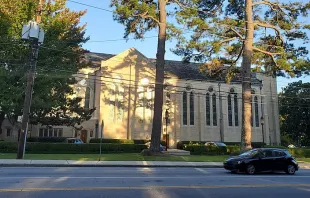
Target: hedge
(205, 150)
(235, 150)
(118, 141)
(122, 141)
(180, 144)
(65, 148)
(47, 139)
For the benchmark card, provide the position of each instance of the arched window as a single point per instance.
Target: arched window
(214, 110)
(236, 110)
(112, 102)
(120, 104)
(208, 110)
(184, 108)
(87, 98)
(229, 110)
(191, 109)
(252, 107)
(256, 111)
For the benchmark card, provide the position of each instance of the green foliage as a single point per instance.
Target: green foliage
(286, 140)
(198, 149)
(300, 153)
(118, 141)
(294, 109)
(217, 40)
(47, 139)
(60, 54)
(65, 148)
(204, 150)
(180, 144)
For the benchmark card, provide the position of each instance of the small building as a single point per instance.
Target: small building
(122, 88)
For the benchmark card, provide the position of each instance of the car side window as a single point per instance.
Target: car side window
(278, 154)
(267, 153)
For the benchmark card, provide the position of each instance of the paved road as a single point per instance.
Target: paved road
(148, 182)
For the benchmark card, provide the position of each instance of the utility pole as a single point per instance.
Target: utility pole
(35, 34)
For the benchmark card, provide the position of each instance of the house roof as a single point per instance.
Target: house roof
(96, 58)
(180, 69)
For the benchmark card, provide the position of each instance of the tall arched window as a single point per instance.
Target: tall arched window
(208, 110)
(87, 98)
(120, 103)
(112, 101)
(184, 108)
(236, 110)
(214, 110)
(252, 107)
(191, 109)
(256, 111)
(229, 110)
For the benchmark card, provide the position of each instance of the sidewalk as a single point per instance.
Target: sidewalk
(71, 163)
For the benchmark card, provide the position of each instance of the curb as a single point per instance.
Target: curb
(111, 165)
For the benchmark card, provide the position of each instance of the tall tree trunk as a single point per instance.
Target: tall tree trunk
(2, 117)
(160, 64)
(246, 78)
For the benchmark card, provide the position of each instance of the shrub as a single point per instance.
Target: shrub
(233, 150)
(254, 144)
(180, 144)
(270, 146)
(65, 148)
(47, 139)
(205, 150)
(300, 152)
(118, 141)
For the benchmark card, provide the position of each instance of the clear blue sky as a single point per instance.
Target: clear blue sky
(102, 27)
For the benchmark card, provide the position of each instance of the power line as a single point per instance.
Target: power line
(91, 6)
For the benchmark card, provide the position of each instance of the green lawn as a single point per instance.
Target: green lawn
(303, 159)
(116, 157)
(124, 157)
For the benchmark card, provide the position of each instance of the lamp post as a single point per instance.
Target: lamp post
(167, 119)
(262, 122)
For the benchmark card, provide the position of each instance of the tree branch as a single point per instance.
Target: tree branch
(272, 27)
(145, 16)
(179, 4)
(265, 52)
(275, 7)
(239, 53)
(238, 34)
(270, 4)
(227, 40)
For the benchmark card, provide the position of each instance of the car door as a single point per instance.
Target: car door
(279, 160)
(266, 161)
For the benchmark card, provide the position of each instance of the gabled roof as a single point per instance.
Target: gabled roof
(96, 58)
(179, 69)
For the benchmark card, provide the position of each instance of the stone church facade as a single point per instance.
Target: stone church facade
(121, 87)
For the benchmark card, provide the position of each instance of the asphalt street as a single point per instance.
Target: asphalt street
(149, 182)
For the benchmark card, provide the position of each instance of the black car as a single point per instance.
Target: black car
(265, 159)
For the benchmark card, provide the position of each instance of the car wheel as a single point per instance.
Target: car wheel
(290, 169)
(250, 169)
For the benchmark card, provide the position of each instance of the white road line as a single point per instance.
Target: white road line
(155, 177)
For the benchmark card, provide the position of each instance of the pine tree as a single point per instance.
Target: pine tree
(263, 33)
(141, 16)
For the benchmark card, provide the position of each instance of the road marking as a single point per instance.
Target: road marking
(159, 177)
(154, 187)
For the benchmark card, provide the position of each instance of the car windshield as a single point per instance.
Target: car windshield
(287, 153)
(250, 153)
(220, 144)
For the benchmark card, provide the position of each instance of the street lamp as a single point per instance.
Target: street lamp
(262, 122)
(167, 119)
